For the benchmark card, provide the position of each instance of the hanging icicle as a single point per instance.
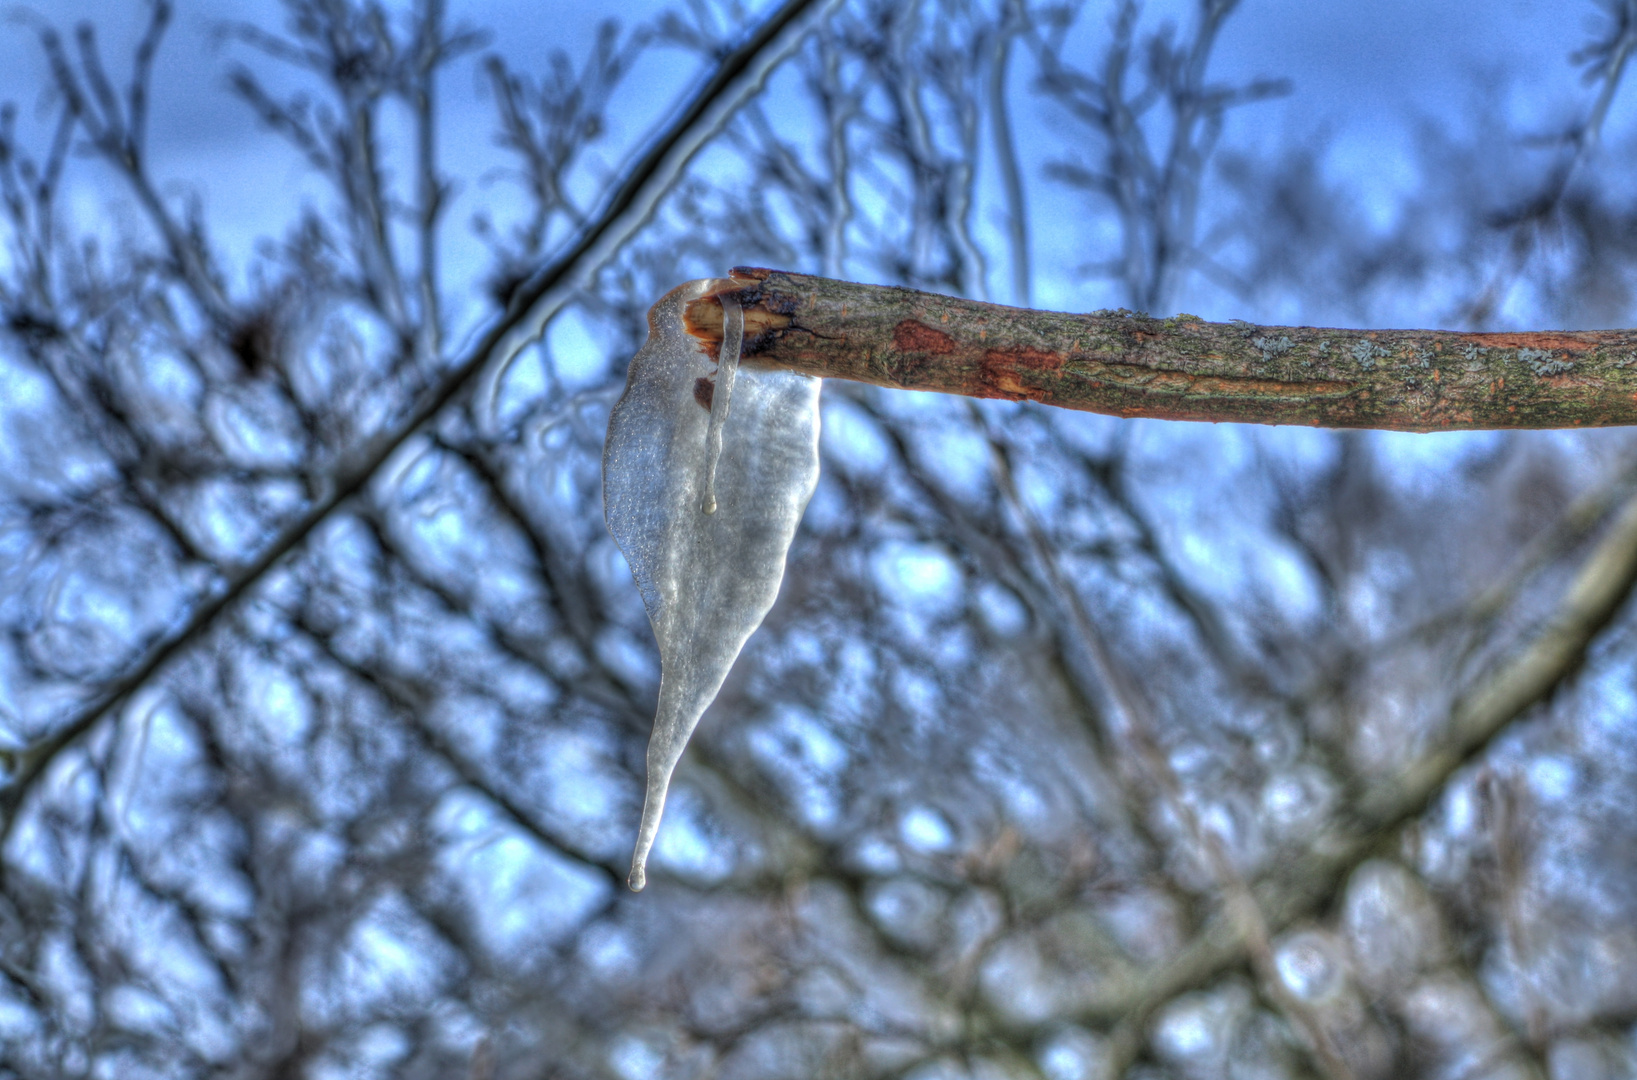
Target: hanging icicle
(727, 369)
(705, 509)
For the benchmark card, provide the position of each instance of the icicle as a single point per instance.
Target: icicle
(707, 579)
(727, 366)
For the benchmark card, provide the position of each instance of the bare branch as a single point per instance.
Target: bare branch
(737, 76)
(1129, 364)
(1602, 585)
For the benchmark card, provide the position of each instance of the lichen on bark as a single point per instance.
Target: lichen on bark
(1127, 363)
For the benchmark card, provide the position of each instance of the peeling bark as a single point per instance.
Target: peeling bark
(1125, 363)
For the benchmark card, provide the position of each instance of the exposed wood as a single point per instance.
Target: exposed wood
(1125, 363)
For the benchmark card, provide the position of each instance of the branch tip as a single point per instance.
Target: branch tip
(703, 317)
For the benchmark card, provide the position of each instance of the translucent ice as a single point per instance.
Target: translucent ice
(727, 370)
(707, 578)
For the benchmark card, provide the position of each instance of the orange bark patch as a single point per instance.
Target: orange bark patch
(1546, 340)
(912, 336)
(1003, 371)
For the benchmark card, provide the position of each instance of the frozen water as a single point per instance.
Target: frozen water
(727, 370)
(707, 577)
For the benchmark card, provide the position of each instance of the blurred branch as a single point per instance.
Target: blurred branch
(28, 190)
(1605, 61)
(1124, 363)
(410, 703)
(1014, 22)
(1486, 709)
(1600, 587)
(1154, 190)
(1001, 557)
(354, 51)
(548, 123)
(1208, 620)
(118, 134)
(431, 189)
(737, 77)
(840, 106)
(1135, 733)
(1474, 616)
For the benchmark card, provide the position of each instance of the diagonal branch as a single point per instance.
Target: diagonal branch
(409, 703)
(1605, 579)
(736, 79)
(1601, 587)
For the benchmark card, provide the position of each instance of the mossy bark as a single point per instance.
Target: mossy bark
(1126, 363)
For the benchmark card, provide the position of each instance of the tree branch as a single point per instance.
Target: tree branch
(1125, 363)
(1601, 587)
(1150, 767)
(738, 75)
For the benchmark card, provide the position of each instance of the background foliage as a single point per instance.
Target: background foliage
(1074, 747)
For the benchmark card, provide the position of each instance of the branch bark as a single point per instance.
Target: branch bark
(1126, 363)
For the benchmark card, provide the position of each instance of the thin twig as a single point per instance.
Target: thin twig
(1000, 126)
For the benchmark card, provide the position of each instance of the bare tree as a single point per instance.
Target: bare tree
(1074, 747)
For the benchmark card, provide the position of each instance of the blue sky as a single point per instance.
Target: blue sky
(1363, 74)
